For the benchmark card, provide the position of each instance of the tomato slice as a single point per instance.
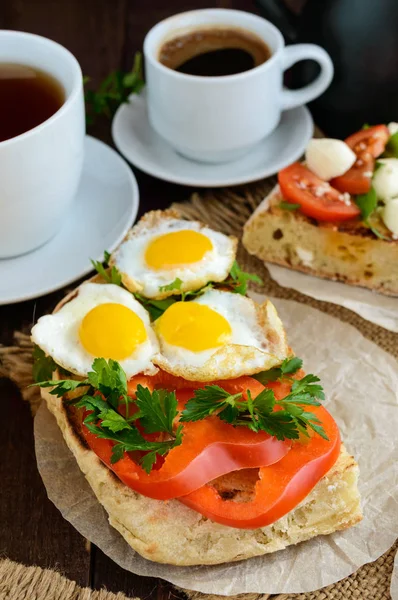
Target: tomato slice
(210, 448)
(367, 144)
(317, 198)
(280, 487)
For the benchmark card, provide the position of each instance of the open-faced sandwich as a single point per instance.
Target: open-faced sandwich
(335, 215)
(185, 408)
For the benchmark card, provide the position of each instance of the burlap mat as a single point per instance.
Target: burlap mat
(227, 211)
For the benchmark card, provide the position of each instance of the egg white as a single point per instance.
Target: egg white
(258, 342)
(58, 334)
(139, 277)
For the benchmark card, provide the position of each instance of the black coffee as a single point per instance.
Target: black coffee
(214, 52)
(28, 97)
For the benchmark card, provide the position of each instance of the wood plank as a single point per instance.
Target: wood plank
(32, 530)
(92, 30)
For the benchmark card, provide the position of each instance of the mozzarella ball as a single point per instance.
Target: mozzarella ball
(328, 158)
(385, 179)
(389, 214)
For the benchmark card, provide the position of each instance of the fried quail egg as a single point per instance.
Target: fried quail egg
(163, 248)
(219, 335)
(103, 320)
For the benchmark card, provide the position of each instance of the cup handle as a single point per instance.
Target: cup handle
(295, 53)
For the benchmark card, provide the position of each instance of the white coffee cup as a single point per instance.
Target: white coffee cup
(217, 119)
(40, 169)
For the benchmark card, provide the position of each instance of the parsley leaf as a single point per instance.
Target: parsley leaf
(367, 203)
(105, 389)
(157, 409)
(170, 287)
(114, 90)
(391, 150)
(111, 275)
(259, 414)
(288, 367)
(207, 401)
(61, 386)
(107, 377)
(176, 286)
(43, 365)
(289, 205)
(110, 418)
(239, 279)
(155, 307)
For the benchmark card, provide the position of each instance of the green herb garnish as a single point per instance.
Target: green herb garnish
(103, 392)
(391, 150)
(288, 205)
(43, 365)
(239, 279)
(111, 275)
(259, 414)
(114, 91)
(287, 368)
(171, 287)
(367, 204)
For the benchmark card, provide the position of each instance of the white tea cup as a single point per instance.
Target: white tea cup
(217, 119)
(40, 169)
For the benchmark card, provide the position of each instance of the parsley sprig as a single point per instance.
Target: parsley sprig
(289, 205)
(111, 275)
(259, 414)
(103, 392)
(43, 365)
(114, 90)
(238, 279)
(367, 204)
(288, 367)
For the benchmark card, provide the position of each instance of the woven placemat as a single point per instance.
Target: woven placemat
(227, 211)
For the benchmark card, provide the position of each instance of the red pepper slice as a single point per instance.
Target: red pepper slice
(280, 487)
(210, 448)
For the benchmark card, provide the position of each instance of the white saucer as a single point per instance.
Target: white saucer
(138, 142)
(105, 207)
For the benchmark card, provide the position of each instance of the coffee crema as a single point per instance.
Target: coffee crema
(28, 97)
(214, 52)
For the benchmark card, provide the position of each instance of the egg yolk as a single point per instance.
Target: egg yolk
(111, 330)
(193, 326)
(176, 249)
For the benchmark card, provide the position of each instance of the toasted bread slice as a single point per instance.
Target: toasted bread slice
(347, 251)
(169, 532)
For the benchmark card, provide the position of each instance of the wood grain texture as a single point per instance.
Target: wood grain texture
(32, 530)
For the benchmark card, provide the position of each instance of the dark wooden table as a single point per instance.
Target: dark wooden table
(103, 35)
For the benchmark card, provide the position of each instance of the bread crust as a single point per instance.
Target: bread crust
(347, 252)
(169, 532)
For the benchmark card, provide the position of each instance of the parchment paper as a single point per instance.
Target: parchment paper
(376, 308)
(361, 383)
(394, 580)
